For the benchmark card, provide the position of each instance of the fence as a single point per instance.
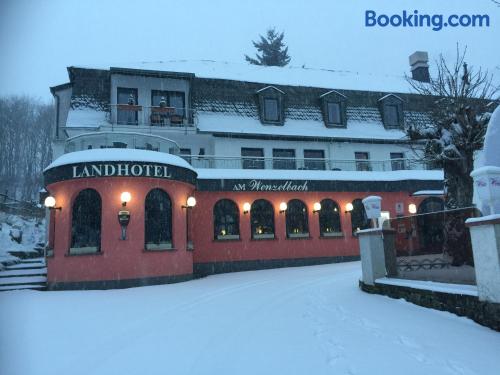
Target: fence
(435, 246)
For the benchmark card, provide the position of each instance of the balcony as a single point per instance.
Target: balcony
(137, 115)
(120, 139)
(238, 162)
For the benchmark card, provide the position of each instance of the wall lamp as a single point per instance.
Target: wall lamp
(246, 208)
(283, 207)
(125, 198)
(190, 202)
(316, 207)
(349, 207)
(412, 208)
(50, 203)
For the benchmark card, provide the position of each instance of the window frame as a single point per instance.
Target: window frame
(218, 222)
(330, 121)
(278, 161)
(127, 113)
(359, 218)
(164, 215)
(362, 165)
(168, 94)
(397, 163)
(325, 218)
(252, 161)
(315, 165)
(269, 221)
(289, 217)
(91, 215)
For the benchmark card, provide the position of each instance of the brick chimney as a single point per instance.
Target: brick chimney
(419, 66)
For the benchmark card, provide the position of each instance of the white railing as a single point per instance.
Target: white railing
(238, 162)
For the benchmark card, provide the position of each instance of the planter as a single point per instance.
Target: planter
(487, 186)
(129, 107)
(162, 109)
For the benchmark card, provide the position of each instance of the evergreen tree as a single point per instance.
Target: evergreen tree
(273, 51)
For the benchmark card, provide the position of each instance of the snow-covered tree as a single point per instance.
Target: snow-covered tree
(463, 103)
(273, 52)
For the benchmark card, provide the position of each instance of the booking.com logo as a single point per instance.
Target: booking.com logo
(434, 21)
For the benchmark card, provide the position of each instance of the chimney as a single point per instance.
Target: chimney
(419, 66)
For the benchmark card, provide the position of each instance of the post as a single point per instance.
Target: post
(485, 237)
(378, 258)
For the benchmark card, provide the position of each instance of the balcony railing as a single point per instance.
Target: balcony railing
(137, 115)
(238, 162)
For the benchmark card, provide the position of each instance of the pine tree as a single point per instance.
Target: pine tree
(273, 50)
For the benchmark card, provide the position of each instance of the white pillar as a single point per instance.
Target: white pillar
(485, 237)
(376, 247)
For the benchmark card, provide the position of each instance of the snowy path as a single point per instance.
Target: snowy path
(311, 320)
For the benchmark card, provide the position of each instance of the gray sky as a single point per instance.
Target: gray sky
(39, 39)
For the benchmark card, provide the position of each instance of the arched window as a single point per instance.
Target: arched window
(158, 220)
(226, 220)
(86, 223)
(329, 219)
(262, 219)
(296, 219)
(359, 220)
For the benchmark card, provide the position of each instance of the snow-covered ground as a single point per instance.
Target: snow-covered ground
(33, 232)
(311, 320)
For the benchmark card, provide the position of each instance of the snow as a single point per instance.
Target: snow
(86, 117)
(428, 192)
(289, 75)
(33, 232)
(482, 218)
(273, 174)
(118, 154)
(310, 320)
(470, 290)
(216, 122)
(492, 140)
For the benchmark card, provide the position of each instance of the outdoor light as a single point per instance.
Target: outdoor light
(349, 207)
(316, 207)
(190, 202)
(283, 207)
(412, 208)
(246, 208)
(50, 203)
(125, 197)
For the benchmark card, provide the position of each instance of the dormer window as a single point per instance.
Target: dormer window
(391, 110)
(271, 105)
(333, 106)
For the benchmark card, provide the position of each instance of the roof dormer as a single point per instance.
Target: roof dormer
(391, 110)
(271, 105)
(334, 109)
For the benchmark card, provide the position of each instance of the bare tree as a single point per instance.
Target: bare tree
(463, 104)
(25, 148)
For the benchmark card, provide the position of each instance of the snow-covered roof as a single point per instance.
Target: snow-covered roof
(428, 192)
(119, 154)
(273, 174)
(225, 123)
(289, 75)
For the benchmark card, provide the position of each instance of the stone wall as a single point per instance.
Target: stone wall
(484, 313)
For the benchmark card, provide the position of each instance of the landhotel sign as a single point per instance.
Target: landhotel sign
(119, 169)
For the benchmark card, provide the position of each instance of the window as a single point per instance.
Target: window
(397, 161)
(329, 219)
(316, 159)
(86, 223)
(126, 96)
(284, 159)
(359, 219)
(362, 163)
(175, 99)
(262, 219)
(226, 220)
(296, 219)
(391, 115)
(252, 158)
(271, 110)
(333, 113)
(185, 153)
(158, 220)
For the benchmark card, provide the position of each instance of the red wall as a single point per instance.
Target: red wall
(209, 250)
(118, 259)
